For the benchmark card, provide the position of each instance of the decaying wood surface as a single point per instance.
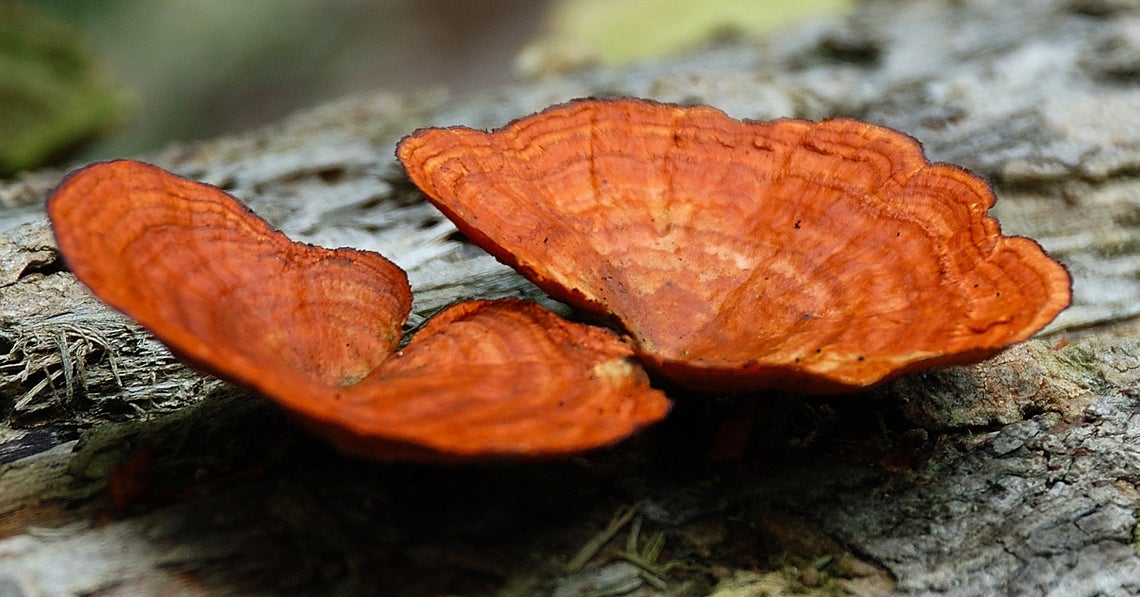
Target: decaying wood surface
(122, 472)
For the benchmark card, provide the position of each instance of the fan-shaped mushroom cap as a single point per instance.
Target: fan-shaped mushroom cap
(501, 378)
(813, 256)
(219, 285)
(315, 329)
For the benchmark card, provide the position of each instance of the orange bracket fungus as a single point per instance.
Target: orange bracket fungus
(317, 330)
(812, 256)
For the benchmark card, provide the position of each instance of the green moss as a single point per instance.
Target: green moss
(617, 33)
(53, 96)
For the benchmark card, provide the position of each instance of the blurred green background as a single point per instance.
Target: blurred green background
(83, 80)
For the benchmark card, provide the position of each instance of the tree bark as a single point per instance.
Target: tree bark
(124, 472)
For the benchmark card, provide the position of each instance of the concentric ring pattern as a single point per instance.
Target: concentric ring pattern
(814, 256)
(316, 330)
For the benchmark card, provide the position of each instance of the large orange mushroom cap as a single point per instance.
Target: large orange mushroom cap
(316, 329)
(813, 256)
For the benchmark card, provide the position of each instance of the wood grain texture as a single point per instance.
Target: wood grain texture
(739, 255)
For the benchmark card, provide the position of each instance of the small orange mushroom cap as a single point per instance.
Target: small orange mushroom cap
(813, 256)
(316, 329)
(504, 378)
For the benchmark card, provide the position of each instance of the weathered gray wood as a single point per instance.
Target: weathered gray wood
(1019, 475)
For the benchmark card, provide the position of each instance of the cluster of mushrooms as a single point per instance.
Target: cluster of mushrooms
(728, 255)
